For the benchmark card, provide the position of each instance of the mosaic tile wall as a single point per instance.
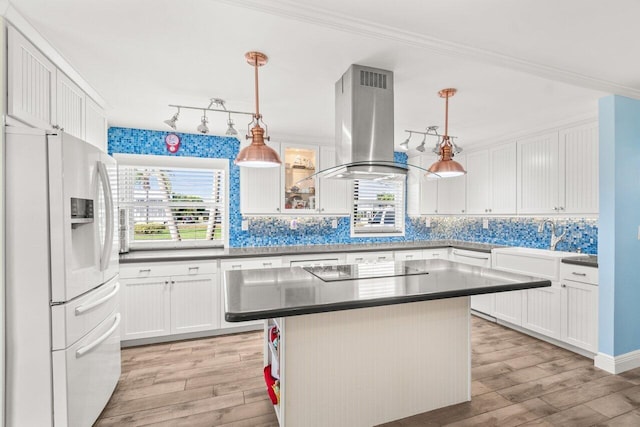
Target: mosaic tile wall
(275, 231)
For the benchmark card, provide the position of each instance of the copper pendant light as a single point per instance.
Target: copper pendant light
(257, 154)
(446, 167)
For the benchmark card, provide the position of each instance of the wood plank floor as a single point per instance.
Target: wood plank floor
(517, 381)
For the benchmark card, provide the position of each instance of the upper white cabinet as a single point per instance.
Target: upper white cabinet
(260, 188)
(95, 128)
(452, 192)
(581, 168)
(491, 180)
(334, 193)
(422, 193)
(274, 191)
(32, 83)
(70, 106)
(558, 172)
(42, 96)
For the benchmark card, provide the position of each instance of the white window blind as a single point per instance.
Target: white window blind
(378, 207)
(173, 206)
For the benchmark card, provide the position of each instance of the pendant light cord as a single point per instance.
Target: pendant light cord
(255, 65)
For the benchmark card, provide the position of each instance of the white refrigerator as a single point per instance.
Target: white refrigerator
(62, 311)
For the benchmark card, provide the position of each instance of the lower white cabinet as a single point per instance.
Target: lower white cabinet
(408, 255)
(579, 306)
(541, 312)
(508, 307)
(243, 264)
(167, 299)
(368, 257)
(481, 303)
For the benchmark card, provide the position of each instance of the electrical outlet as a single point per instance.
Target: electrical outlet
(485, 223)
(245, 225)
(334, 223)
(427, 222)
(293, 224)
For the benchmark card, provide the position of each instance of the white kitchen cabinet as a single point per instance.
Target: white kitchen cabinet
(581, 169)
(541, 311)
(70, 106)
(260, 191)
(243, 264)
(31, 83)
(95, 128)
(334, 198)
(408, 255)
(452, 192)
(422, 193)
(440, 253)
(480, 303)
(580, 306)
(368, 257)
(491, 180)
(170, 298)
(558, 172)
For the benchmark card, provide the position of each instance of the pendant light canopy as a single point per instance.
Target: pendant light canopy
(446, 167)
(257, 154)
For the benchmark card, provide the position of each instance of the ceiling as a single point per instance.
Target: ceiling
(518, 66)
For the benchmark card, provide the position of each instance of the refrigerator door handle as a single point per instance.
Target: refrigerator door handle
(86, 307)
(105, 257)
(87, 348)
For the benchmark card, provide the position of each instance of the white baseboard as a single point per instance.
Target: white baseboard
(618, 364)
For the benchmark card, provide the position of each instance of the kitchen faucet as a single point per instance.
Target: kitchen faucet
(554, 239)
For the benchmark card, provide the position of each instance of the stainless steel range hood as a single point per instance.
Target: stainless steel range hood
(364, 126)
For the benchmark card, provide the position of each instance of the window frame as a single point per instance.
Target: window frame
(155, 161)
(380, 234)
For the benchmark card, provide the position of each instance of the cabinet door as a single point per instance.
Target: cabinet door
(95, 127)
(478, 182)
(542, 311)
(579, 315)
(580, 146)
(483, 304)
(452, 192)
(538, 175)
(502, 179)
(31, 83)
(299, 194)
(194, 303)
(70, 106)
(145, 307)
(260, 189)
(334, 193)
(508, 306)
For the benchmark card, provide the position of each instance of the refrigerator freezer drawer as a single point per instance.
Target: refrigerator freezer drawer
(85, 375)
(73, 320)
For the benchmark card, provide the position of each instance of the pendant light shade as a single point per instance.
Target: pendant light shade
(446, 167)
(258, 154)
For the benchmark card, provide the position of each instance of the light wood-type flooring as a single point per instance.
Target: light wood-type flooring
(517, 380)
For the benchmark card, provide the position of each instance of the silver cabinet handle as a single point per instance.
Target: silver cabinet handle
(278, 209)
(359, 259)
(87, 348)
(382, 257)
(578, 274)
(408, 256)
(469, 256)
(86, 307)
(194, 268)
(267, 264)
(145, 270)
(563, 285)
(236, 266)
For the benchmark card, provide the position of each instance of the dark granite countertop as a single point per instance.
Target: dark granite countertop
(292, 291)
(585, 260)
(223, 253)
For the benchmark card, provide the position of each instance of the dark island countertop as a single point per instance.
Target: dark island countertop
(280, 292)
(585, 260)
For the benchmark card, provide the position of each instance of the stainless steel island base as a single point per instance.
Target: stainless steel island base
(373, 365)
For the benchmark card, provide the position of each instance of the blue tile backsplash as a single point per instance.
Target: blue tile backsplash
(582, 233)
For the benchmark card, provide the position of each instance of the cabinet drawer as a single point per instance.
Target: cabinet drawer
(442, 253)
(362, 257)
(579, 273)
(407, 255)
(134, 271)
(480, 259)
(250, 263)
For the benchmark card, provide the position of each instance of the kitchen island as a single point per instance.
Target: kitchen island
(360, 345)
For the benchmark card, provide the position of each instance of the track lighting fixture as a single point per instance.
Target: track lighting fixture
(203, 127)
(172, 121)
(230, 129)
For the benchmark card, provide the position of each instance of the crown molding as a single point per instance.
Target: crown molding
(310, 14)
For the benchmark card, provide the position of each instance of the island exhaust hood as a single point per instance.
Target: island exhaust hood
(364, 126)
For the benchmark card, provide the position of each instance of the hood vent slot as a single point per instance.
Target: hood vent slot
(372, 79)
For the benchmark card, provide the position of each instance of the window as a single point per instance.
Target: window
(173, 201)
(378, 207)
